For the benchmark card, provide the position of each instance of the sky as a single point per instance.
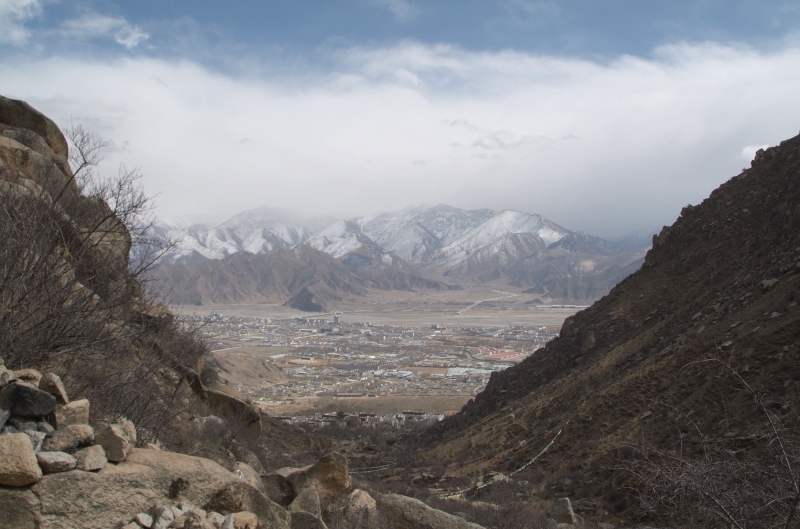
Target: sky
(604, 116)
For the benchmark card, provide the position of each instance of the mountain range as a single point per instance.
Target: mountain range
(436, 247)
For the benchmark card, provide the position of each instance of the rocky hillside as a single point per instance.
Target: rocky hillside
(720, 288)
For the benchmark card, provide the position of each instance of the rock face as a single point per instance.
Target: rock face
(360, 510)
(117, 493)
(328, 476)
(306, 520)
(409, 513)
(18, 464)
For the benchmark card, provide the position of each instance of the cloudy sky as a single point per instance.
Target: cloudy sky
(605, 116)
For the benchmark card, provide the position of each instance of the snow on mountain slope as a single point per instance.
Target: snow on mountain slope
(339, 239)
(416, 234)
(503, 223)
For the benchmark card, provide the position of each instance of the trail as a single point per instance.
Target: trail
(508, 295)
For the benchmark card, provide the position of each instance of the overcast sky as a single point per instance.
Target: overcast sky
(604, 116)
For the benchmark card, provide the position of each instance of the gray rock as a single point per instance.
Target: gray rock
(562, 512)
(132, 525)
(116, 438)
(4, 415)
(23, 424)
(306, 520)
(5, 378)
(215, 518)
(195, 520)
(163, 517)
(60, 441)
(45, 427)
(37, 439)
(52, 462)
(52, 384)
(227, 522)
(31, 376)
(91, 458)
(360, 510)
(144, 519)
(18, 465)
(307, 500)
(26, 400)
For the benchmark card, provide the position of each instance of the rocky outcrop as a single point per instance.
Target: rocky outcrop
(410, 513)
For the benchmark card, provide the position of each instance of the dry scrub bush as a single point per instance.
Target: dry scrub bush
(72, 302)
(745, 482)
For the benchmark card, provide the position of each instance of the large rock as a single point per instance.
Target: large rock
(52, 384)
(31, 376)
(306, 520)
(82, 432)
(18, 465)
(117, 493)
(360, 510)
(197, 521)
(4, 415)
(76, 412)
(234, 407)
(408, 513)
(91, 458)
(561, 511)
(52, 462)
(239, 496)
(249, 475)
(20, 114)
(245, 520)
(60, 441)
(307, 500)
(329, 476)
(117, 438)
(21, 398)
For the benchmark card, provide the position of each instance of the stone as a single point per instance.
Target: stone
(132, 525)
(91, 458)
(52, 384)
(178, 522)
(144, 519)
(5, 377)
(83, 432)
(52, 462)
(245, 520)
(227, 522)
(45, 427)
(238, 496)
(162, 517)
(23, 424)
(76, 412)
(37, 439)
(31, 376)
(306, 520)
(116, 438)
(561, 511)
(329, 476)
(60, 441)
(307, 500)
(409, 512)
(247, 473)
(768, 283)
(360, 510)
(26, 400)
(195, 520)
(100, 500)
(215, 518)
(4, 415)
(18, 465)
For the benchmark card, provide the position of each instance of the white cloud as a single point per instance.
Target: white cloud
(92, 25)
(604, 148)
(13, 15)
(401, 9)
(749, 152)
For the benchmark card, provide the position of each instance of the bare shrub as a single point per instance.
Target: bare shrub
(747, 481)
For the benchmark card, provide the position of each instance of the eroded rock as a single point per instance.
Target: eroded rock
(91, 458)
(408, 513)
(18, 465)
(117, 439)
(26, 400)
(52, 462)
(52, 384)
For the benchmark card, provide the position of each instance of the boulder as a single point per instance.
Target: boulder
(91, 458)
(18, 465)
(247, 473)
(234, 407)
(562, 512)
(117, 438)
(307, 500)
(195, 520)
(37, 439)
(215, 518)
(408, 513)
(52, 462)
(329, 476)
(31, 376)
(21, 398)
(144, 519)
(82, 432)
(306, 520)
(163, 517)
(76, 412)
(245, 520)
(360, 510)
(238, 496)
(60, 441)
(52, 384)
(4, 416)
(5, 377)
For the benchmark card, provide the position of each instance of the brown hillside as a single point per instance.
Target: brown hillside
(723, 280)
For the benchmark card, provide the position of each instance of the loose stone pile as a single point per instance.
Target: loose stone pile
(43, 432)
(186, 515)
